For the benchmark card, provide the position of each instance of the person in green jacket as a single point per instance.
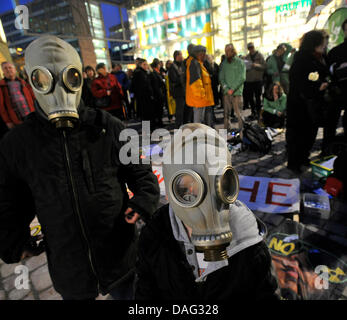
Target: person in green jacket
(278, 65)
(232, 76)
(274, 106)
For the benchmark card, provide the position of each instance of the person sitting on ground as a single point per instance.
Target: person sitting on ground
(275, 102)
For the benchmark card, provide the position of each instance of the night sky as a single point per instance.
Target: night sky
(110, 13)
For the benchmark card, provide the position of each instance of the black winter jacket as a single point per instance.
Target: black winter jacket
(159, 88)
(302, 90)
(176, 75)
(338, 56)
(163, 271)
(142, 88)
(78, 192)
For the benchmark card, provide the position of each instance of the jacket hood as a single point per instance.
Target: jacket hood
(244, 227)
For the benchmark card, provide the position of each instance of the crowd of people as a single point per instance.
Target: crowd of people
(281, 91)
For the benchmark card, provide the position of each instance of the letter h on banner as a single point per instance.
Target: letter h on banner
(254, 191)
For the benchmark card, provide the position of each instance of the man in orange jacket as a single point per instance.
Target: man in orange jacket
(199, 94)
(16, 97)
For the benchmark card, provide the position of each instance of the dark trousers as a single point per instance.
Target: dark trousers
(329, 130)
(158, 113)
(180, 108)
(272, 120)
(300, 141)
(188, 114)
(3, 128)
(252, 96)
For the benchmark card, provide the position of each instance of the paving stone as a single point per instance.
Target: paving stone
(275, 219)
(251, 169)
(277, 168)
(312, 228)
(2, 295)
(30, 296)
(50, 294)
(307, 219)
(16, 294)
(36, 261)
(8, 269)
(344, 293)
(8, 283)
(40, 278)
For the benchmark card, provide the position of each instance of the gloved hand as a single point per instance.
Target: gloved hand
(32, 248)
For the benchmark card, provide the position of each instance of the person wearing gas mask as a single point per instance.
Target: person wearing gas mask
(204, 244)
(62, 164)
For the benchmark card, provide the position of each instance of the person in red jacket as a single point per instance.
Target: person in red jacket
(16, 97)
(107, 85)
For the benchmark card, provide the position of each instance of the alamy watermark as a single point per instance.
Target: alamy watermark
(22, 281)
(22, 17)
(190, 145)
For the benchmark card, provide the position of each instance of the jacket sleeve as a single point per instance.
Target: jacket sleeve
(262, 63)
(118, 85)
(241, 72)
(289, 48)
(268, 106)
(16, 213)
(97, 90)
(222, 79)
(265, 284)
(3, 112)
(173, 77)
(271, 67)
(283, 102)
(141, 180)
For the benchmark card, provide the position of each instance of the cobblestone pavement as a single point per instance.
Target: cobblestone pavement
(246, 163)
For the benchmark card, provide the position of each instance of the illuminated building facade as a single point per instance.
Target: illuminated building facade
(4, 52)
(164, 26)
(160, 27)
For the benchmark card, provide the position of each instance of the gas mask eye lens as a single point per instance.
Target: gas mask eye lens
(228, 185)
(42, 80)
(72, 79)
(188, 189)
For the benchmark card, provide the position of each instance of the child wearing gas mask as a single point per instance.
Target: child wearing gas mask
(204, 244)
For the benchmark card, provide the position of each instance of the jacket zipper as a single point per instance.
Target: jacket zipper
(76, 204)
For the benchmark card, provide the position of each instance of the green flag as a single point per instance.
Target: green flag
(334, 27)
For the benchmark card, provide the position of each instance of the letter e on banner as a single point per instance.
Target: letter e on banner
(270, 193)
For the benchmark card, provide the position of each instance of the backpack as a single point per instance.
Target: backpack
(256, 138)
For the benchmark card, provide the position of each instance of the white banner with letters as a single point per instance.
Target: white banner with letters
(270, 194)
